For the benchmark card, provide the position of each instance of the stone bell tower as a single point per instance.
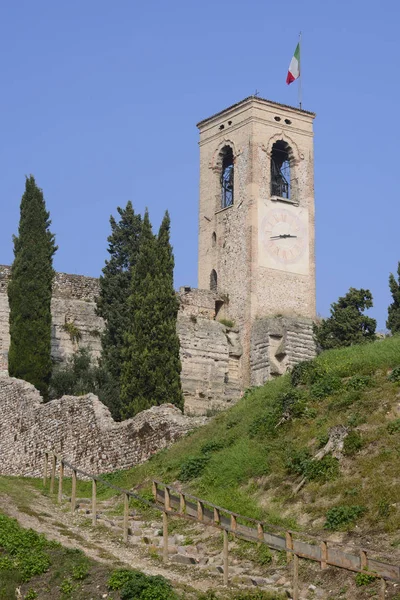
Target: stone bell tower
(256, 229)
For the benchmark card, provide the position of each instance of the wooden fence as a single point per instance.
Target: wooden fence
(172, 502)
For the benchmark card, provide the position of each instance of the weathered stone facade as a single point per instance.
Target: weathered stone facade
(210, 352)
(72, 302)
(81, 430)
(278, 344)
(261, 268)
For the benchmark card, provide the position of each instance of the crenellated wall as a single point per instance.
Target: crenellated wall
(81, 430)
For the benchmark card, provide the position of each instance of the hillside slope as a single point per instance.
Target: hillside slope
(251, 458)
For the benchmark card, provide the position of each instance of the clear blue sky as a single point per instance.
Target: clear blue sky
(99, 101)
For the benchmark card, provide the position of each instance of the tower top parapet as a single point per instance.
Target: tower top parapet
(255, 100)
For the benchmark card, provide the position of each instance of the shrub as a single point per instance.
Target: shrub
(393, 426)
(326, 386)
(296, 461)
(322, 470)
(119, 578)
(80, 572)
(359, 382)
(147, 587)
(395, 375)
(352, 443)
(264, 425)
(365, 578)
(193, 467)
(306, 372)
(340, 516)
(30, 594)
(299, 462)
(211, 446)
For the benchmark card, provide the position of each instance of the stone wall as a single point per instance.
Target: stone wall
(81, 430)
(72, 302)
(210, 355)
(278, 343)
(210, 352)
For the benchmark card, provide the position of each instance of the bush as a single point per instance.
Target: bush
(341, 516)
(365, 578)
(326, 386)
(393, 426)
(359, 382)
(352, 443)
(395, 375)
(264, 425)
(306, 372)
(192, 467)
(211, 446)
(322, 470)
(299, 462)
(135, 585)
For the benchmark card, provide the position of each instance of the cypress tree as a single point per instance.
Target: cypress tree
(393, 320)
(168, 310)
(151, 368)
(29, 292)
(112, 303)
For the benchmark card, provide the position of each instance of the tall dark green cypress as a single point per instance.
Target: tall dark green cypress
(168, 310)
(112, 303)
(29, 292)
(151, 368)
(393, 320)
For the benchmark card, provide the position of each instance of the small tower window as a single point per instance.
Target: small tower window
(213, 280)
(214, 239)
(280, 170)
(227, 177)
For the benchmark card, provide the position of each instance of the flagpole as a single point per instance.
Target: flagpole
(300, 91)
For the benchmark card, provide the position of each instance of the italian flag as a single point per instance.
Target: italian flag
(294, 67)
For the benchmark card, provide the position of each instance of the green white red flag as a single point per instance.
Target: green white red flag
(294, 67)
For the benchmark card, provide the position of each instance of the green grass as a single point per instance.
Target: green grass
(246, 464)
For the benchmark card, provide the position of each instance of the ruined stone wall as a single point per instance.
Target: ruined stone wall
(72, 302)
(277, 344)
(210, 353)
(81, 430)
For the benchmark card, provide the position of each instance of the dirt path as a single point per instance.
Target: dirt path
(100, 544)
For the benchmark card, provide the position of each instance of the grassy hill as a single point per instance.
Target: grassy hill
(250, 458)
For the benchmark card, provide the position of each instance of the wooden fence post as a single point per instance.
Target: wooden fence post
(200, 511)
(233, 523)
(226, 574)
(94, 501)
(60, 481)
(167, 500)
(46, 460)
(165, 536)
(182, 504)
(382, 590)
(324, 555)
(260, 532)
(295, 577)
(217, 517)
(289, 546)
(73, 491)
(154, 486)
(363, 560)
(126, 517)
(53, 472)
